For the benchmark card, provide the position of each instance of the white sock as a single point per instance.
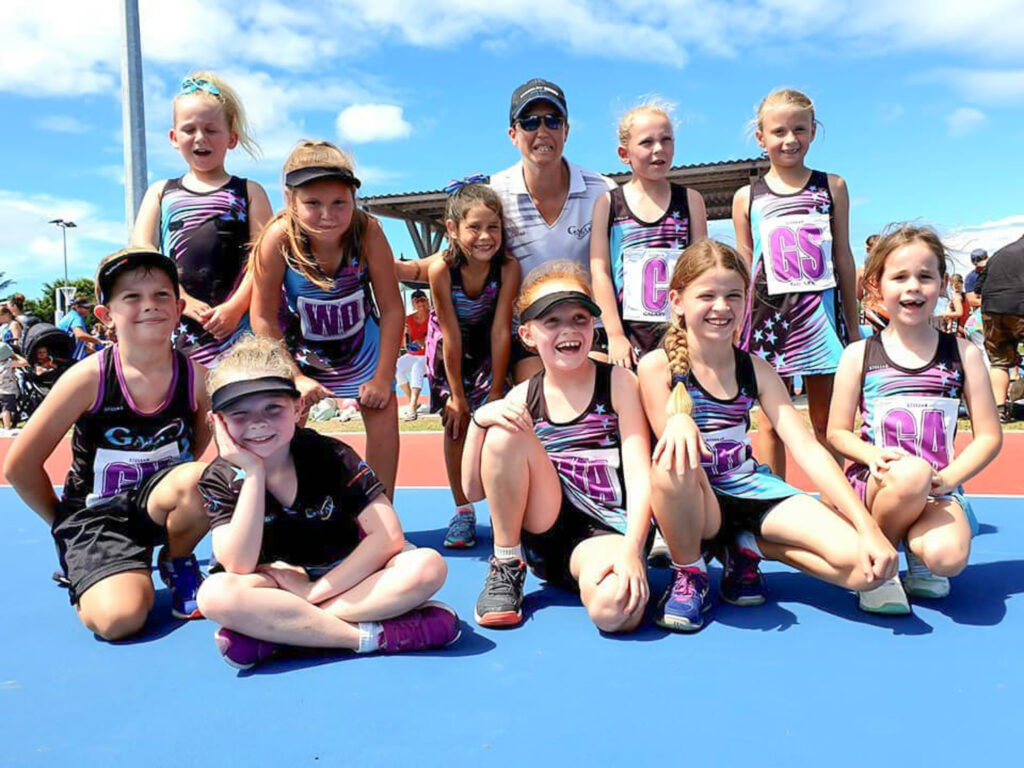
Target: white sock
(466, 509)
(369, 636)
(699, 564)
(509, 553)
(746, 540)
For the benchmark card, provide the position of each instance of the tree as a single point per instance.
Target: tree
(5, 283)
(46, 305)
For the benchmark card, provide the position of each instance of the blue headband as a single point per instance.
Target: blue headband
(193, 84)
(455, 186)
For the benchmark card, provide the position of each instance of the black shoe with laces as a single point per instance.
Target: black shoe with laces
(501, 602)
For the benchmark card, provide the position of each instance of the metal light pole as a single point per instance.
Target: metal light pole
(64, 226)
(133, 115)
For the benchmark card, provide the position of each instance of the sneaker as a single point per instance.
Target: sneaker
(921, 583)
(242, 651)
(501, 602)
(432, 625)
(1006, 413)
(659, 556)
(410, 414)
(742, 582)
(888, 599)
(183, 577)
(461, 529)
(685, 601)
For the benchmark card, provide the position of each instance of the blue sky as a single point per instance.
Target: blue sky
(923, 112)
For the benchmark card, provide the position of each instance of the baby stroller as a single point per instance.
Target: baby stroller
(33, 386)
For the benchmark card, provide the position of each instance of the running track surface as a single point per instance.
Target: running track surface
(804, 680)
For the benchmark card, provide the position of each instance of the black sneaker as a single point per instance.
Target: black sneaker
(501, 602)
(1006, 415)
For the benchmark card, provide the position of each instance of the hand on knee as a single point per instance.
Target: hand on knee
(608, 613)
(910, 477)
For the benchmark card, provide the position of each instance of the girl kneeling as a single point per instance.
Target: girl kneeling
(312, 550)
(564, 463)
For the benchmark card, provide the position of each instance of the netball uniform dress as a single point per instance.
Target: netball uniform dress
(746, 491)
(911, 408)
(334, 333)
(320, 527)
(587, 455)
(207, 235)
(475, 316)
(643, 255)
(118, 455)
(795, 320)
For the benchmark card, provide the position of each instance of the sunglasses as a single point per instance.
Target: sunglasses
(532, 123)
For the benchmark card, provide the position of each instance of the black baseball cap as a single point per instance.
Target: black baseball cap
(302, 176)
(125, 261)
(81, 301)
(978, 255)
(418, 294)
(536, 90)
(546, 303)
(234, 391)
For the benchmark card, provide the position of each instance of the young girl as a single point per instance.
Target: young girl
(698, 392)
(338, 279)
(641, 227)
(473, 286)
(138, 410)
(792, 226)
(312, 551)
(907, 383)
(206, 219)
(564, 463)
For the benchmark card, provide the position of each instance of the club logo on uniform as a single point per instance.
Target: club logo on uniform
(325, 512)
(580, 232)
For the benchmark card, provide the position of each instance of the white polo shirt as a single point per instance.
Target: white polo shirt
(529, 238)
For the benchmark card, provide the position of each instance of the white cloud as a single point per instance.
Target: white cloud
(890, 112)
(964, 120)
(31, 249)
(63, 124)
(989, 87)
(991, 235)
(363, 123)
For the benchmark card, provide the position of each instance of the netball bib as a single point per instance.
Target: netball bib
(922, 426)
(645, 275)
(797, 253)
(332, 319)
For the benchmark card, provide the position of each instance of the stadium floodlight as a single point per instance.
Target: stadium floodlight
(64, 226)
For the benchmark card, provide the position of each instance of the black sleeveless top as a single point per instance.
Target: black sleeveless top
(586, 451)
(115, 447)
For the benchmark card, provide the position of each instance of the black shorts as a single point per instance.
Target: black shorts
(742, 514)
(9, 403)
(112, 537)
(548, 553)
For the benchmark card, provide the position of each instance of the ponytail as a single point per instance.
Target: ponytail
(678, 352)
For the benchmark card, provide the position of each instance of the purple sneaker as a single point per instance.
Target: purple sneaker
(742, 582)
(685, 602)
(242, 651)
(183, 576)
(432, 625)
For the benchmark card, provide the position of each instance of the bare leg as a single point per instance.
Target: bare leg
(520, 484)
(175, 504)
(819, 399)
(116, 607)
(414, 398)
(686, 510)
(804, 533)
(899, 498)
(589, 565)
(768, 446)
(382, 443)
(1000, 378)
(941, 537)
(453, 463)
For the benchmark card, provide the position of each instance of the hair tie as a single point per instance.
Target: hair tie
(455, 186)
(193, 84)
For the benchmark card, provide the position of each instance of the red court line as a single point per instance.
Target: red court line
(421, 463)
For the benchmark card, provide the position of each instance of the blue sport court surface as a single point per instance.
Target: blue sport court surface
(804, 680)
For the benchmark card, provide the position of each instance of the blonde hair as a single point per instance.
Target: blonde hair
(251, 357)
(234, 112)
(894, 237)
(692, 263)
(653, 105)
(782, 97)
(559, 269)
(314, 154)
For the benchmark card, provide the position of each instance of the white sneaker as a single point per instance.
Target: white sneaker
(659, 556)
(888, 598)
(410, 414)
(920, 582)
